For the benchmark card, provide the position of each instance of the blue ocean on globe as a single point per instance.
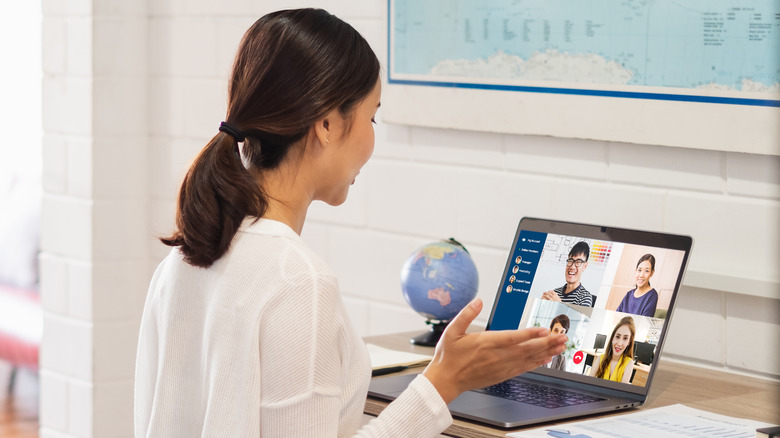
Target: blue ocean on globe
(439, 279)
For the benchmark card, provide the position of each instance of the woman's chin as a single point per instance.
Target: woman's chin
(335, 201)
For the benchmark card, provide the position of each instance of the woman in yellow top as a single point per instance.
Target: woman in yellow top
(616, 363)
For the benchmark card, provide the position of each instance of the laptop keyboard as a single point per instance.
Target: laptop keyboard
(538, 395)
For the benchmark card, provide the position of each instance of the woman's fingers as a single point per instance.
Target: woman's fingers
(535, 349)
(505, 338)
(457, 327)
(531, 354)
(524, 355)
(466, 361)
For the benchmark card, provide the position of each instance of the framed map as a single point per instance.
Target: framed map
(691, 73)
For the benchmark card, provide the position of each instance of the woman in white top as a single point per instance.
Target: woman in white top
(244, 333)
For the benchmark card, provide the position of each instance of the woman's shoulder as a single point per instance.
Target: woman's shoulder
(270, 247)
(260, 234)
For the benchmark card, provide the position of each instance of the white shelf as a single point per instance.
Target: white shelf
(734, 284)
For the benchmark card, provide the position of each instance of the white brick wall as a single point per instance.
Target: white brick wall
(132, 90)
(95, 238)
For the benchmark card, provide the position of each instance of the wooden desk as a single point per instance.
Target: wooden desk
(700, 388)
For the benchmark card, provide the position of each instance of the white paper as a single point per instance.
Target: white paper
(675, 421)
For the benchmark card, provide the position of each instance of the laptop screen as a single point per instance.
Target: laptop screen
(610, 290)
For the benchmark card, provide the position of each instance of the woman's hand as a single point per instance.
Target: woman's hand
(464, 361)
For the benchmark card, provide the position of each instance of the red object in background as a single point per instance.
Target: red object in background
(21, 326)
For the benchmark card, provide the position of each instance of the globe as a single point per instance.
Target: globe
(438, 280)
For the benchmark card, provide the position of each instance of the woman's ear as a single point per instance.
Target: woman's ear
(322, 130)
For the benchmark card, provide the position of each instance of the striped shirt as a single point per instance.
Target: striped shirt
(578, 297)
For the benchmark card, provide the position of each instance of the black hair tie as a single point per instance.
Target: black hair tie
(235, 133)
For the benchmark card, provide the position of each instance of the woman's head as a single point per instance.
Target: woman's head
(622, 340)
(293, 68)
(621, 344)
(645, 268)
(559, 325)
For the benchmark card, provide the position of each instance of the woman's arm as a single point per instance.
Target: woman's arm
(628, 371)
(624, 302)
(307, 386)
(651, 304)
(594, 368)
(559, 362)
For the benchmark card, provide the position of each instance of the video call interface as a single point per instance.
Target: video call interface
(609, 298)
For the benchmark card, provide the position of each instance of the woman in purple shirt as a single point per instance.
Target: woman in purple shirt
(643, 299)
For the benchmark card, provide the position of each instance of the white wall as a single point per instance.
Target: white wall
(20, 88)
(132, 92)
(95, 239)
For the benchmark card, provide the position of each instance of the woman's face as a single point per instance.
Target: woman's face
(354, 150)
(643, 273)
(621, 340)
(558, 329)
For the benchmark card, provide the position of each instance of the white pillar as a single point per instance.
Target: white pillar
(95, 244)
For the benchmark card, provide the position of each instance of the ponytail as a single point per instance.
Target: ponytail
(293, 67)
(218, 192)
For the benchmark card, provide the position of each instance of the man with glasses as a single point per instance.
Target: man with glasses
(573, 292)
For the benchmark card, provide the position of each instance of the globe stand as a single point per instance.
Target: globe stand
(432, 336)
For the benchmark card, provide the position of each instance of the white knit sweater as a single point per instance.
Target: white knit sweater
(259, 345)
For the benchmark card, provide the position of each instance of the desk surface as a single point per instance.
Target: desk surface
(700, 388)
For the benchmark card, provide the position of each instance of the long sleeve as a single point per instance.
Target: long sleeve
(315, 372)
(417, 412)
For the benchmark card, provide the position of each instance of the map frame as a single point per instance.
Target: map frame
(666, 116)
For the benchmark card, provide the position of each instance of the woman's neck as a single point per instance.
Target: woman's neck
(282, 213)
(642, 290)
(287, 196)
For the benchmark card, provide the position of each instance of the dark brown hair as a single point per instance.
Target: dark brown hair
(293, 67)
(561, 319)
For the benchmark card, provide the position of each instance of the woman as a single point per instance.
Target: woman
(616, 363)
(559, 325)
(244, 332)
(643, 299)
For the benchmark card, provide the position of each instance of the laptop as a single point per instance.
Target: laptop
(617, 290)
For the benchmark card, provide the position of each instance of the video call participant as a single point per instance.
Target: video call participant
(616, 363)
(558, 326)
(643, 299)
(573, 292)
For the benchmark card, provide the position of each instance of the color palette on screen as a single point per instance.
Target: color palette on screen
(599, 252)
